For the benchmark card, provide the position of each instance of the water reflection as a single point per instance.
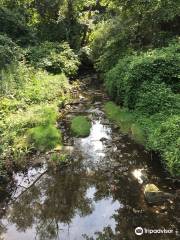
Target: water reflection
(138, 174)
(59, 207)
(70, 205)
(92, 147)
(96, 198)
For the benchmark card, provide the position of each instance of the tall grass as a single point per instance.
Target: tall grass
(28, 110)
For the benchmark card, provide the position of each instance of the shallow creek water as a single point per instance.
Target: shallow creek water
(100, 196)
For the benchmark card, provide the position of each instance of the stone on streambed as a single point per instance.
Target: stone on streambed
(154, 196)
(117, 139)
(65, 149)
(103, 139)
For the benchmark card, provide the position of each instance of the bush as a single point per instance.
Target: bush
(109, 43)
(15, 128)
(32, 86)
(166, 140)
(80, 126)
(126, 78)
(14, 78)
(29, 104)
(156, 97)
(115, 81)
(54, 57)
(10, 52)
(13, 23)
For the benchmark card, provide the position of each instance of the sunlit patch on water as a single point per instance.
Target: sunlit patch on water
(92, 147)
(138, 174)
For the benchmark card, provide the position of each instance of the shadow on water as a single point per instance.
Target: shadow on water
(100, 196)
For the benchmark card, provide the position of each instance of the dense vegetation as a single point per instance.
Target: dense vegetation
(134, 45)
(139, 56)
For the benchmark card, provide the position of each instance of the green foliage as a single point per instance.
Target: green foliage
(157, 132)
(14, 78)
(54, 57)
(126, 78)
(156, 97)
(115, 80)
(138, 133)
(166, 140)
(59, 159)
(136, 25)
(122, 117)
(109, 42)
(15, 129)
(80, 126)
(30, 104)
(19, 82)
(10, 52)
(44, 137)
(13, 23)
(45, 88)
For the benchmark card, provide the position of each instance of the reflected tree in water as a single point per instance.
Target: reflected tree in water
(53, 200)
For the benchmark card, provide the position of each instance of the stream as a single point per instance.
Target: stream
(99, 196)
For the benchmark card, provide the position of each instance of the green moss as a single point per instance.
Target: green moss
(125, 120)
(80, 126)
(138, 133)
(36, 95)
(45, 137)
(32, 129)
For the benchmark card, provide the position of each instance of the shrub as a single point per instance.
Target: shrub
(109, 42)
(14, 78)
(155, 97)
(54, 57)
(10, 52)
(30, 130)
(165, 139)
(115, 80)
(80, 126)
(14, 24)
(31, 86)
(126, 78)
